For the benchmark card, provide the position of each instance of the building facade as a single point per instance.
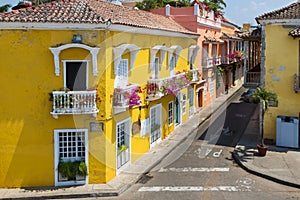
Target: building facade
(94, 90)
(280, 62)
(218, 41)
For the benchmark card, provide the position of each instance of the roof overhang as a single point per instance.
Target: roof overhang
(278, 21)
(112, 27)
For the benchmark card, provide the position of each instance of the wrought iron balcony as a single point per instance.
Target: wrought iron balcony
(74, 102)
(296, 83)
(121, 96)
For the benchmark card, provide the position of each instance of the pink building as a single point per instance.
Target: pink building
(216, 43)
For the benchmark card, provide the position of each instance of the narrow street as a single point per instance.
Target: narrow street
(202, 166)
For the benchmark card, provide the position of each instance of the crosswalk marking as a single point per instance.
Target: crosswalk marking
(189, 189)
(190, 169)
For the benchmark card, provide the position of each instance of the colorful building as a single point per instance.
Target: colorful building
(280, 62)
(92, 90)
(217, 42)
(231, 71)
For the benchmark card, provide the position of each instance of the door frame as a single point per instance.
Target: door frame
(159, 106)
(178, 109)
(79, 61)
(127, 120)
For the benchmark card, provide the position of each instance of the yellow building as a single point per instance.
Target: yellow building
(280, 63)
(94, 89)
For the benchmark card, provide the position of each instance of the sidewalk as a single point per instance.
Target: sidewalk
(280, 164)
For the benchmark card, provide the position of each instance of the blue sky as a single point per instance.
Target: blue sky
(245, 11)
(237, 11)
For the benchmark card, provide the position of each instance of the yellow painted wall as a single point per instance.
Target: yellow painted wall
(282, 62)
(26, 125)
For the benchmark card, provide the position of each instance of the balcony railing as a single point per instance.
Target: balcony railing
(156, 88)
(122, 95)
(74, 102)
(208, 62)
(296, 83)
(217, 61)
(252, 79)
(224, 60)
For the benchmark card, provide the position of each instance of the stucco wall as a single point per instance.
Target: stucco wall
(282, 62)
(26, 125)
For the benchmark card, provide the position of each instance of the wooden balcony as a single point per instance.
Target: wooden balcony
(208, 62)
(74, 102)
(217, 61)
(224, 60)
(252, 79)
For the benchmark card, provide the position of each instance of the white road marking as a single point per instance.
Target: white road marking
(217, 154)
(190, 169)
(188, 189)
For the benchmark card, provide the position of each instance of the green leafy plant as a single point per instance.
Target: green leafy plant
(70, 169)
(122, 148)
(264, 97)
(155, 127)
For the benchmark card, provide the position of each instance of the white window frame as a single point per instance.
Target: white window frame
(56, 156)
(121, 80)
(211, 86)
(56, 52)
(170, 113)
(191, 98)
(184, 103)
(155, 70)
(172, 65)
(158, 120)
(65, 69)
(128, 122)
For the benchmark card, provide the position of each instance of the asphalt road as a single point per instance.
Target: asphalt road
(202, 166)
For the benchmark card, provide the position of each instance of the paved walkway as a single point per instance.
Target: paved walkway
(280, 162)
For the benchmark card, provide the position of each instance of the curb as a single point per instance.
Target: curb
(260, 174)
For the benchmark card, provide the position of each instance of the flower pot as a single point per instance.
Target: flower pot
(262, 150)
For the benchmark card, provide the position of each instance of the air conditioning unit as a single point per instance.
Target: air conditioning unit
(287, 131)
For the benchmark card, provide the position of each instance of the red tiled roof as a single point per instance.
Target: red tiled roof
(229, 36)
(295, 33)
(66, 11)
(208, 39)
(291, 11)
(92, 12)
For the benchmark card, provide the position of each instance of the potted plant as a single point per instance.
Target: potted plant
(72, 170)
(263, 97)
